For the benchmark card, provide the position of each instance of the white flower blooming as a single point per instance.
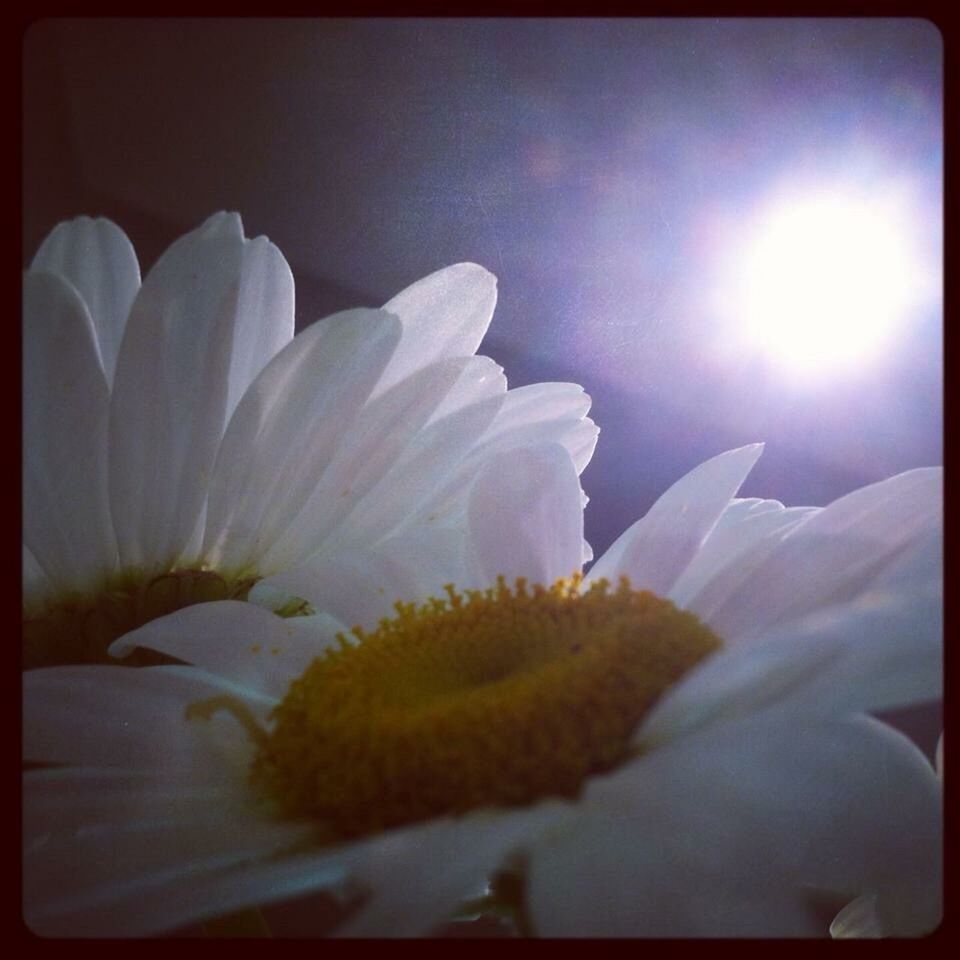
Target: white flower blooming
(688, 756)
(182, 446)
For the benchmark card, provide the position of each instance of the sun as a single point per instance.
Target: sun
(819, 280)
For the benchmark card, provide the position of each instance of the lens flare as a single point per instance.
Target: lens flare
(820, 280)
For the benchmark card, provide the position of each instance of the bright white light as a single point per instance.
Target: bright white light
(821, 279)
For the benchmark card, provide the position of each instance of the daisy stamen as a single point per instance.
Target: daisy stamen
(487, 698)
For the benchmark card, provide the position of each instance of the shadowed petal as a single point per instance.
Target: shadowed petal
(96, 257)
(66, 514)
(169, 403)
(736, 833)
(135, 719)
(287, 429)
(375, 441)
(238, 641)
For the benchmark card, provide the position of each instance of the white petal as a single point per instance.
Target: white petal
(264, 321)
(876, 654)
(828, 558)
(427, 463)
(911, 909)
(525, 516)
(361, 586)
(858, 919)
(135, 719)
(96, 257)
(238, 641)
(169, 402)
(539, 414)
(740, 527)
(448, 858)
(734, 834)
(61, 799)
(446, 314)
(36, 586)
(66, 515)
(287, 430)
(68, 876)
(375, 441)
(921, 562)
(543, 412)
(200, 891)
(656, 550)
(481, 378)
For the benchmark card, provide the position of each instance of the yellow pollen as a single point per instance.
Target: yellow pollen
(79, 628)
(493, 698)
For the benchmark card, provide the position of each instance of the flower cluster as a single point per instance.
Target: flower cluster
(349, 565)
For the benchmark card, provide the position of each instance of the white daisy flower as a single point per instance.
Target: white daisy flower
(688, 757)
(181, 445)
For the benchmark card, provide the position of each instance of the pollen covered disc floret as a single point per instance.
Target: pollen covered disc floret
(486, 698)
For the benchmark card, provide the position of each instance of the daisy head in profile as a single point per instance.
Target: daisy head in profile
(182, 448)
(676, 744)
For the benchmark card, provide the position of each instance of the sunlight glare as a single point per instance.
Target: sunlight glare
(822, 280)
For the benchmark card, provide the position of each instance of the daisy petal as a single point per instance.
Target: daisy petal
(525, 517)
(264, 321)
(287, 428)
(361, 586)
(480, 378)
(169, 401)
(546, 411)
(178, 898)
(375, 441)
(446, 314)
(238, 641)
(527, 417)
(858, 920)
(35, 583)
(73, 873)
(793, 812)
(911, 909)
(742, 525)
(65, 799)
(135, 720)
(456, 855)
(656, 550)
(919, 563)
(66, 515)
(828, 558)
(841, 660)
(429, 460)
(96, 257)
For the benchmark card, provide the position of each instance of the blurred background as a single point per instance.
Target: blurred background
(725, 230)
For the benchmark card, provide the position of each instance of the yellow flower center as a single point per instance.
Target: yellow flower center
(79, 628)
(493, 698)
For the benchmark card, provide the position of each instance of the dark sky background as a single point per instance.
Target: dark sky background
(600, 167)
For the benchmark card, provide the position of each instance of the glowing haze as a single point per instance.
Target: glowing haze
(820, 279)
